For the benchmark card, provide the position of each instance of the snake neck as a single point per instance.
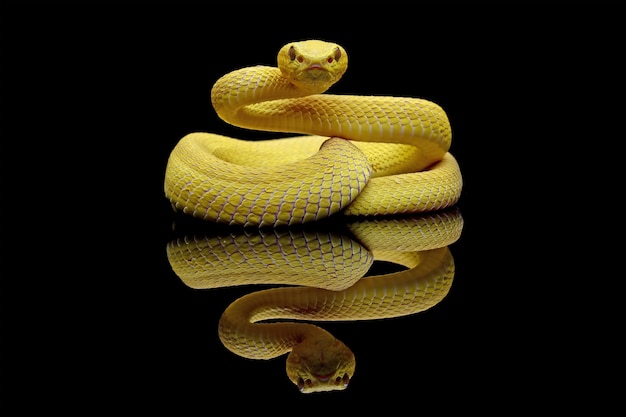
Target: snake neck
(316, 360)
(235, 95)
(398, 294)
(261, 98)
(240, 334)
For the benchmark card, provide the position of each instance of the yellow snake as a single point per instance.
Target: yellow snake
(359, 155)
(333, 263)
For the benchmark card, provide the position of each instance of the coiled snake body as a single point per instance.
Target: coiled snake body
(360, 155)
(322, 274)
(356, 155)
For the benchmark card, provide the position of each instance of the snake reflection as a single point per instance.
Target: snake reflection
(321, 275)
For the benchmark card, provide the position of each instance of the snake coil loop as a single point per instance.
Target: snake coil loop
(357, 155)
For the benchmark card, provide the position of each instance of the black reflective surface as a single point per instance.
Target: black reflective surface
(96, 321)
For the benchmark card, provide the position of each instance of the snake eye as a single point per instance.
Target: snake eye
(337, 55)
(346, 380)
(293, 55)
(302, 384)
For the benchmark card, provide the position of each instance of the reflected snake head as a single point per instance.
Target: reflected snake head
(313, 65)
(323, 364)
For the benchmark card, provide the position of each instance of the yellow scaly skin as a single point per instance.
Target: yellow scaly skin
(328, 266)
(395, 159)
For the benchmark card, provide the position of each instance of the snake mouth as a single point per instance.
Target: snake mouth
(323, 378)
(315, 67)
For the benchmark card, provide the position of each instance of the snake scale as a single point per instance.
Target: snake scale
(369, 156)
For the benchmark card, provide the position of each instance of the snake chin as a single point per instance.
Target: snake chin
(324, 364)
(314, 79)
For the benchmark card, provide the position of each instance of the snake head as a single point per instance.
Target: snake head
(313, 65)
(322, 364)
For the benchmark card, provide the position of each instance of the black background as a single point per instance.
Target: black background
(96, 94)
